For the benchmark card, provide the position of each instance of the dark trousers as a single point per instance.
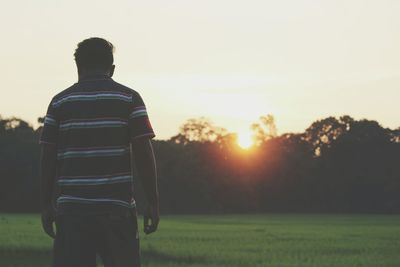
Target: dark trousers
(80, 237)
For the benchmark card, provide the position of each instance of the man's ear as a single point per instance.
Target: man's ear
(112, 70)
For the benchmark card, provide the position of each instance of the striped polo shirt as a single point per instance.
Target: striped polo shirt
(92, 124)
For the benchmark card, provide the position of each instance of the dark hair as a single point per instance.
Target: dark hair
(94, 53)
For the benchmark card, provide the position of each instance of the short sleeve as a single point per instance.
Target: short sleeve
(138, 121)
(50, 128)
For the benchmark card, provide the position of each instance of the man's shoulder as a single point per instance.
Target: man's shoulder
(77, 88)
(125, 89)
(64, 92)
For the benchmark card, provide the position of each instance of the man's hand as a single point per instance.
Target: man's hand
(48, 173)
(146, 165)
(48, 219)
(152, 214)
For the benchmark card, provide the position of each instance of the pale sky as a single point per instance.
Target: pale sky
(231, 61)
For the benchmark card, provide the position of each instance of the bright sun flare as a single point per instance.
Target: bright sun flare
(245, 140)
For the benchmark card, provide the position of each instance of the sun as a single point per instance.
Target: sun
(245, 140)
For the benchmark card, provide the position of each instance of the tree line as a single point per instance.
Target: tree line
(336, 165)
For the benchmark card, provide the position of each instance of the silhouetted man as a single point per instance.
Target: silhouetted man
(91, 131)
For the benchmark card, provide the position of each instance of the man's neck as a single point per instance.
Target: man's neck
(93, 75)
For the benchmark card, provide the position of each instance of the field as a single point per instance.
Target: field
(235, 240)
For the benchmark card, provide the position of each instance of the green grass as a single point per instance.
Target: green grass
(235, 240)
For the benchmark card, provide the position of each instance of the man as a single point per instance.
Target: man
(91, 132)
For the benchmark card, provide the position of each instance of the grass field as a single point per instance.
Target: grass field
(235, 240)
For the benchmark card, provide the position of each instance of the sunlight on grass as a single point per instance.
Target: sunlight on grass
(234, 241)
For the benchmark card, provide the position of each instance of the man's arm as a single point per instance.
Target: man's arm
(146, 166)
(48, 173)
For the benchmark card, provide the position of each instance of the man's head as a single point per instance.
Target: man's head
(94, 55)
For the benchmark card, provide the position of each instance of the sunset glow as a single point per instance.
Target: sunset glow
(230, 61)
(245, 140)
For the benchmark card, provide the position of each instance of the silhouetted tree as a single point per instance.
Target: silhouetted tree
(336, 165)
(199, 130)
(323, 132)
(264, 129)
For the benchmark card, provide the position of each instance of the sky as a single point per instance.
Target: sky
(230, 61)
